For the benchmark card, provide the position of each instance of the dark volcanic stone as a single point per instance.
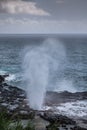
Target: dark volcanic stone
(55, 98)
(12, 100)
(52, 118)
(78, 128)
(2, 79)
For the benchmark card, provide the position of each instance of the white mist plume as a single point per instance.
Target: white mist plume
(40, 62)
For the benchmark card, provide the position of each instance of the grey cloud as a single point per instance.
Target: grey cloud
(56, 9)
(42, 26)
(65, 9)
(43, 16)
(23, 7)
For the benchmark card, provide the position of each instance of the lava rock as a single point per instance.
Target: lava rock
(52, 118)
(12, 100)
(2, 79)
(55, 98)
(78, 128)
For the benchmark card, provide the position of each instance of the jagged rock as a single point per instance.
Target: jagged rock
(13, 100)
(2, 79)
(58, 122)
(52, 118)
(78, 128)
(54, 98)
(6, 75)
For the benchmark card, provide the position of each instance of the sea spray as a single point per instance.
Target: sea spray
(36, 75)
(40, 64)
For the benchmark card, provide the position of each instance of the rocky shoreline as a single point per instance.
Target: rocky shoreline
(13, 101)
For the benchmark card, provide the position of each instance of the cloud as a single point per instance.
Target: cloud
(26, 25)
(15, 7)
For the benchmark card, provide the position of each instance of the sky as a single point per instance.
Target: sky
(43, 16)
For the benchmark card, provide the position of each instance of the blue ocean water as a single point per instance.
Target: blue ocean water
(72, 76)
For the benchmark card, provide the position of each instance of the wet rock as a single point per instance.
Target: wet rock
(55, 98)
(12, 100)
(2, 79)
(6, 75)
(58, 122)
(52, 118)
(78, 128)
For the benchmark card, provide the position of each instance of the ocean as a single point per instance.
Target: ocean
(73, 72)
(53, 62)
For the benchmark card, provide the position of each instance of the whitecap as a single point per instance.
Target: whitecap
(76, 109)
(71, 109)
(11, 77)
